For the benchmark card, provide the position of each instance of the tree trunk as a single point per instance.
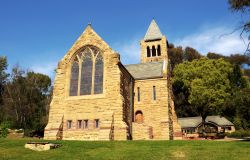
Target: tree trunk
(203, 124)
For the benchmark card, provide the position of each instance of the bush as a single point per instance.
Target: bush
(28, 132)
(4, 129)
(239, 134)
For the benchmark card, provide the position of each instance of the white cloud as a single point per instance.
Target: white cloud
(216, 39)
(129, 51)
(48, 69)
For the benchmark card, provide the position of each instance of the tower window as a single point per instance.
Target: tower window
(148, 52)
(154, 93)
(138, 94)
(159, 50)
(153, 51)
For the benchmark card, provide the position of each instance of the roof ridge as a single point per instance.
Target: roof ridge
(143, 63)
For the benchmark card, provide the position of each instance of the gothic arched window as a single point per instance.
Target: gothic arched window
(153, 51)
(98, 75)
(74, 79)
(148, 52)
(87, 72)
(159, 50)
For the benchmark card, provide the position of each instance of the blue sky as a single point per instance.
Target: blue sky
(36, 34)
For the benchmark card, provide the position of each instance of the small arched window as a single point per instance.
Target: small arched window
(138, 116)
(153, 51)
(74, 78)
(98, 75)
(159, 50)
(148, 52)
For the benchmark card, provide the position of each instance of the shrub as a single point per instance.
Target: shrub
(239, 134)
(28, 132)
(19, 131)
(4, 129)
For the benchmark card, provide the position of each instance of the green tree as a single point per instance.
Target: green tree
(3, 75)
(191, 54)
(207, 82)
(3, 78)
(39, 87)
(237, 80)
(237, 108)
(175, 54)
(26, 99)
(212, 55)
(238, 59)
(182, 106)
(247, 72)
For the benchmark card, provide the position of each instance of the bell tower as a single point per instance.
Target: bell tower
(154, 45)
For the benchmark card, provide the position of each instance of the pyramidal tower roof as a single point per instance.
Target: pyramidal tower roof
(153, 31)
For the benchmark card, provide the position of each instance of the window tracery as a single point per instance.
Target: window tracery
(74, 78)
(98, 74)
(87, 71)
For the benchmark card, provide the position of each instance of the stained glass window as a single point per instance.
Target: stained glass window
(86, 74)
(87, 56)
(98, 88)
(74, 79)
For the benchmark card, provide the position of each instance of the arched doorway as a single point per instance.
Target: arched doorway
(138, 116)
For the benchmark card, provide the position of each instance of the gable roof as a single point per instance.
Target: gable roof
(193, 122)
(221, 121)
(145, 70)
(153, 32)
(88, 37)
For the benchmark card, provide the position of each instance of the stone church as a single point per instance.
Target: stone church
(96, 97)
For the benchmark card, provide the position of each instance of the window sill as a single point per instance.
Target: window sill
(93, 96)
(82, 129)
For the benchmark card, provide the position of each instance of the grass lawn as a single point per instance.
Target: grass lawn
(156, 150)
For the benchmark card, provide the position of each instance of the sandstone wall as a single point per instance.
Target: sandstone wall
(155, 112)
(107, 107)
(142, 132)
(175, 128)
(144, 44)
(126, 88)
